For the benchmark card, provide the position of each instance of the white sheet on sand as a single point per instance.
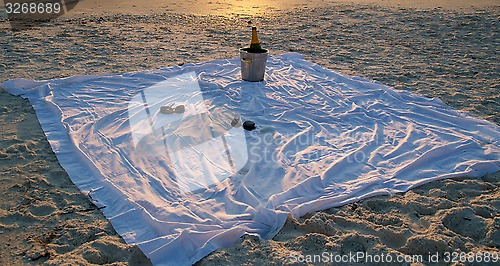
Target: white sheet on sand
(181, 185)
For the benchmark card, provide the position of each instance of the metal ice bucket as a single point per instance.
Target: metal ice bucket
(253, 65)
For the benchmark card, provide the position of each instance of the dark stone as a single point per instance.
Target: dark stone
(249, 125)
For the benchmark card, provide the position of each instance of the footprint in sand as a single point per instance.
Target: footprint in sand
(42, 210)
(465, 222)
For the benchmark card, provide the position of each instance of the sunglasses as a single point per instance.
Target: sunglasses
(171, 110)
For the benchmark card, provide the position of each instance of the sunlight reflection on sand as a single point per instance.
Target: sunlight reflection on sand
(253, 7)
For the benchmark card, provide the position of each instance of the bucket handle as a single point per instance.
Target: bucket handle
(246, 60)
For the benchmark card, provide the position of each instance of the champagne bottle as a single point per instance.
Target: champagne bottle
(255, 43)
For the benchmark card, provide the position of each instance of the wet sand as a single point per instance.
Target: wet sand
(235, 7)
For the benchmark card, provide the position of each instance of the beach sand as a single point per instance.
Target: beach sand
(447, 51)
(232, 7)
